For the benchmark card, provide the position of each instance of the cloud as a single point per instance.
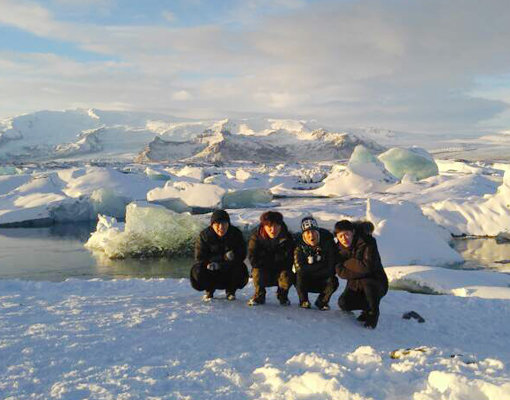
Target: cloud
(398, 64)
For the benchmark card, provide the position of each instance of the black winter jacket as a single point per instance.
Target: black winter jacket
(271, 254)
(319, 261)
(361, 260)
(212, 248)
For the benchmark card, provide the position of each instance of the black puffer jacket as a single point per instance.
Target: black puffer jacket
(212, 248)
(318, 261)
(362, 259)
(271, 254)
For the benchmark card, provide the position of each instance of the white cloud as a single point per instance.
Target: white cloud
(399, 64)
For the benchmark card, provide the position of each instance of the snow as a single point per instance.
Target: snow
(150, 230)
(183, 196)
(414, 161)
(364, 174)
(155, 339)
(406, 236)
(427, 279)
(488, 216)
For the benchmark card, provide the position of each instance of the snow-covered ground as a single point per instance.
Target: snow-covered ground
(155, 339)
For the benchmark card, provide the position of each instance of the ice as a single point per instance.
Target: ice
(363, 174)
(186, 195)
(246, 198)
(405, 236)
(150, 230)
(84, 181)
(412, 161)
(488, 216)
(434, 280)
(10, 170)
(157, 174)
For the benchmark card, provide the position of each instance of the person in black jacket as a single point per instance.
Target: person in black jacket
(359, 262)
(219, 258)
(270, 251)
(314, 264)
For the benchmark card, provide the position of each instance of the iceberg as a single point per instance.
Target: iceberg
(363, 174)
(488, 216)
(183, 196)
(246, 198)
(406, 237)
(414, 161)
(150, 230)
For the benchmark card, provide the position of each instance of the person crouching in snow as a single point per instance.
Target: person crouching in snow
(270, 251)
(359, 262)
(314, 264)
(220, 251)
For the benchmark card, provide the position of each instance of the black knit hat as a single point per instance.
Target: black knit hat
(271, 217)
(309, 223)
(344, 225)
(220, 216)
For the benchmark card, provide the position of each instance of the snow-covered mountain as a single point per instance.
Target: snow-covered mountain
(276, 146)
(113, 135)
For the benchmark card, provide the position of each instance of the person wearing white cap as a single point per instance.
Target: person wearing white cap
(314, 265)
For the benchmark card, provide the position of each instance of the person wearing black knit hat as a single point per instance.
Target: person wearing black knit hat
(270, 251)
(220, 251)
(314, 264)
(358, 261)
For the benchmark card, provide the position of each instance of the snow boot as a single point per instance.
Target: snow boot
(283, 297)
(371, 319)
(321, 305)
(257, 301)
(208, 296)
(305, 304)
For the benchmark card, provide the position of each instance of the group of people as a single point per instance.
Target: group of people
(310, 261)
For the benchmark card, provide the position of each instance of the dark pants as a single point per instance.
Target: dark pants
(366, 297)
(306, 283)
(263, 278)
(229, 279)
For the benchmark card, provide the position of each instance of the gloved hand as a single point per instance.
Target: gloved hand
(229, 255)
(214, 266)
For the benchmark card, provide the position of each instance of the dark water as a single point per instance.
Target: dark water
(57, 253)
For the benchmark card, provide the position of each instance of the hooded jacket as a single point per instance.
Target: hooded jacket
(212, 248)
(271, 254)
(317, 261)
(361, 260)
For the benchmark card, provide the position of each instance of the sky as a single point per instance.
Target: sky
(440, 66)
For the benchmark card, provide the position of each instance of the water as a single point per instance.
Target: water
(57, 253)
(484, 253)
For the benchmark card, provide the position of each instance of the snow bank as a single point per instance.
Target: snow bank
(146, 339)
(426, 279)
(485, 217)
(405, 236)
(150, 230)
(364, 174)
(414, 161)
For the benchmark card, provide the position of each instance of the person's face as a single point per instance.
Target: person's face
(272, 230)
(345, 238)
(220, 228)
(311, 237)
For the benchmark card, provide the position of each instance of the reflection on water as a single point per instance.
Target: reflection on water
(57, 253)
(482, 253)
